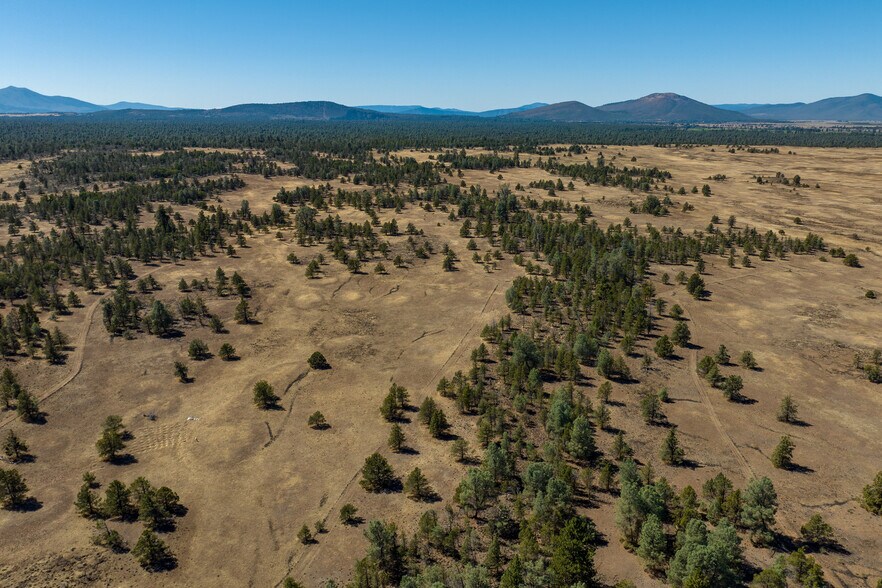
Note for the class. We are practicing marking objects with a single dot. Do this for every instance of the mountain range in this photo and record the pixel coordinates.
(654, 108)
(14, 100)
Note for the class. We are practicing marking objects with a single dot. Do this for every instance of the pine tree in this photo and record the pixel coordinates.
(14, 448)
(88, 504)
(681, 334)
(652, 545)
(396, 438)
(460, 449)
(152, 552)
(782, 456)
(348, 514)
(243, 312)
(581, 444)
(572, 555)
(759, 509)
(377, 474)
(417, 485)
(788, 410)
(13, 489)
(264, 397)
(871, 498)
(118, 501)
(671, 453)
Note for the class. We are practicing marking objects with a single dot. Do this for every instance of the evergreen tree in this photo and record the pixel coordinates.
(396, 438)
(782, 456)
(652, 545)
(377, 474)
(671, 453)
(152, 552)
(13, 489)
(88, 504)
(663, 347)
(871, 498)
(681, 334)
(416, 485)
(788, 411)
(14, 448)
(264, 397)
(572, 555)
(758, 510)
(581, 444)
(118, 501)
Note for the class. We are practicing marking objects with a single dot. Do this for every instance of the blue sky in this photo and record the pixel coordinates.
(471, 55)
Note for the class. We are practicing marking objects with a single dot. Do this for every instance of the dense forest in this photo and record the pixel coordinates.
(28, 137)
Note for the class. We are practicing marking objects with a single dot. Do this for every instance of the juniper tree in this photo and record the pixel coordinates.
(198, 350)
(732, 387)
(722, 355)
(317, 361)
(782, 456)
(304, 535)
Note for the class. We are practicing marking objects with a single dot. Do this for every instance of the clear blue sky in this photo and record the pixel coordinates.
(470, 55)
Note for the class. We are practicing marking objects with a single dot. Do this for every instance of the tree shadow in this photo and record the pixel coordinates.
(406, 450)
(29, 504)
(123, 459)
(800, 469)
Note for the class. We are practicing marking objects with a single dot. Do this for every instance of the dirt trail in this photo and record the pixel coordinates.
(747, 470)
(76, 356)
(298, 563)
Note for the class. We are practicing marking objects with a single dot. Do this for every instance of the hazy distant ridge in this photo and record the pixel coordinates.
(653, 108)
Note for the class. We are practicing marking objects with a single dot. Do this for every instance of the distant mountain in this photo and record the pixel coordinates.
(670, 108)
(15, 100)
(417, 110)
(137, 106)
(743, 107)
(864, 107)
(316, 110)
(571, 111)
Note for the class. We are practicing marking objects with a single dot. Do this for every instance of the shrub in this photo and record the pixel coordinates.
(317, 361)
